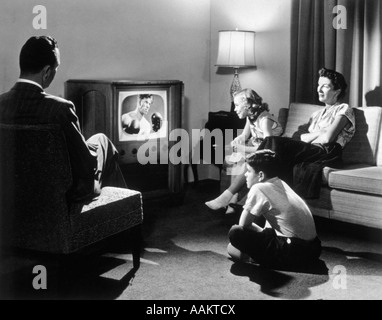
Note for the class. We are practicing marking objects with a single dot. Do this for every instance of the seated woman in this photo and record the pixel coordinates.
(320, 143)
(260, 124)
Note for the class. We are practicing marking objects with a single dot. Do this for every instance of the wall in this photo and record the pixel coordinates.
(156, 39)
(134, 39)
(270, 19)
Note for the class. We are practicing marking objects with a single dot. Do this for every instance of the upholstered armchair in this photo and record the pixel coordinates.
(35, 176)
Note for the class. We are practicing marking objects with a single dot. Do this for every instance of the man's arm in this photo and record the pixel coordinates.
(82, 161)
(130, 124)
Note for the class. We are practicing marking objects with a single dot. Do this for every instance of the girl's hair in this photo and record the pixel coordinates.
(337, 79)
(254, 102)
(266, 161)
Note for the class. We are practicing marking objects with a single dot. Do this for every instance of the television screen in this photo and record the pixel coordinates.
(142, 114)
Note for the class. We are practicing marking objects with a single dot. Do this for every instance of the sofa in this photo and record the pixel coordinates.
(35, 214)
(352, 193)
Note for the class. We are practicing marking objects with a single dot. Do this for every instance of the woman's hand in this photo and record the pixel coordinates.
(241, 148)
(239, 140)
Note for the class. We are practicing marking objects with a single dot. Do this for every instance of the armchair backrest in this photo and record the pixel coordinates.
(35, 176)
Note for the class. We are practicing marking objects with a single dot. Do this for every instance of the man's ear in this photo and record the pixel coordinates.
(46, 72)
(47, 75)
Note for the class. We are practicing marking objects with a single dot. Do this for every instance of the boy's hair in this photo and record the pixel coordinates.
(266, 161)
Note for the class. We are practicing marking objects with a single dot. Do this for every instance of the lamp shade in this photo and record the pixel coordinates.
(236, 49)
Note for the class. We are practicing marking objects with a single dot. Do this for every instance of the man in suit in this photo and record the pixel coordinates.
(93, 162)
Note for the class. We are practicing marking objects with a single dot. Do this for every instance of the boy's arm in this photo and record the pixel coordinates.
(246, 221)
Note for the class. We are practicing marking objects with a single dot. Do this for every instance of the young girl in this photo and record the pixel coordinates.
(289, 237)
(260, 124)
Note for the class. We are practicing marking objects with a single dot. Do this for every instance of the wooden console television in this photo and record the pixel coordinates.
(100, 105)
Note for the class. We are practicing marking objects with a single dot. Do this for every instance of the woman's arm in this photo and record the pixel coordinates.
(247, 131)
(266, 126)
(328, 134)
(240, 139)
(309, 137)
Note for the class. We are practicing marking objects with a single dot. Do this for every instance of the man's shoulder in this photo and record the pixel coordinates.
(5, 95)
(57, 99)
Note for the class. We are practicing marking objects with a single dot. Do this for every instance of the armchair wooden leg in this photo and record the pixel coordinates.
(136, 233)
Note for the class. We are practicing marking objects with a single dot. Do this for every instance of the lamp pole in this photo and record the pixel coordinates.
(235, 86)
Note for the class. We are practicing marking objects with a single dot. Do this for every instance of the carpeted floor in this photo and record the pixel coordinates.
(185, 258)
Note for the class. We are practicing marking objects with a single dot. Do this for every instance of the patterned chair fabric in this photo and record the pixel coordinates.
(35, 176)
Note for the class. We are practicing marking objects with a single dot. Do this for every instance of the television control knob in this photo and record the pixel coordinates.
(122, 152)
(134, 151)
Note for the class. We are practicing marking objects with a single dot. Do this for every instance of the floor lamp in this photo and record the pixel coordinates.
(236, 50)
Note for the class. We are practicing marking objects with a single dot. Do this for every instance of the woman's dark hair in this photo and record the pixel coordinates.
(38, 52)
(337, 79)
(266, 161)
(255, 103)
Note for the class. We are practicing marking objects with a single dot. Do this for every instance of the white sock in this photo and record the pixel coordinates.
(234, 198)
(220, 202)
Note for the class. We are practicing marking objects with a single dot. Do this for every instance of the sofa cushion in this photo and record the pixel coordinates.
(358, 178)
(299, 114)
(363, 146)
(325, 174)
(357, 208)
(379, 152)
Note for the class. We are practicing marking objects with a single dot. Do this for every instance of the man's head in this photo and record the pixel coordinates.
(39, 59)
(261, 166)
(144, 103)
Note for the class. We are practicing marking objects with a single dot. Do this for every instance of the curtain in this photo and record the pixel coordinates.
(344, 35)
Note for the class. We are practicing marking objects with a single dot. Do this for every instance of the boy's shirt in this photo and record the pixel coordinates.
(285, 211)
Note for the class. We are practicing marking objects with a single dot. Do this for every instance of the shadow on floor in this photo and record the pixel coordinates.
(65, 278)
(290, 284)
